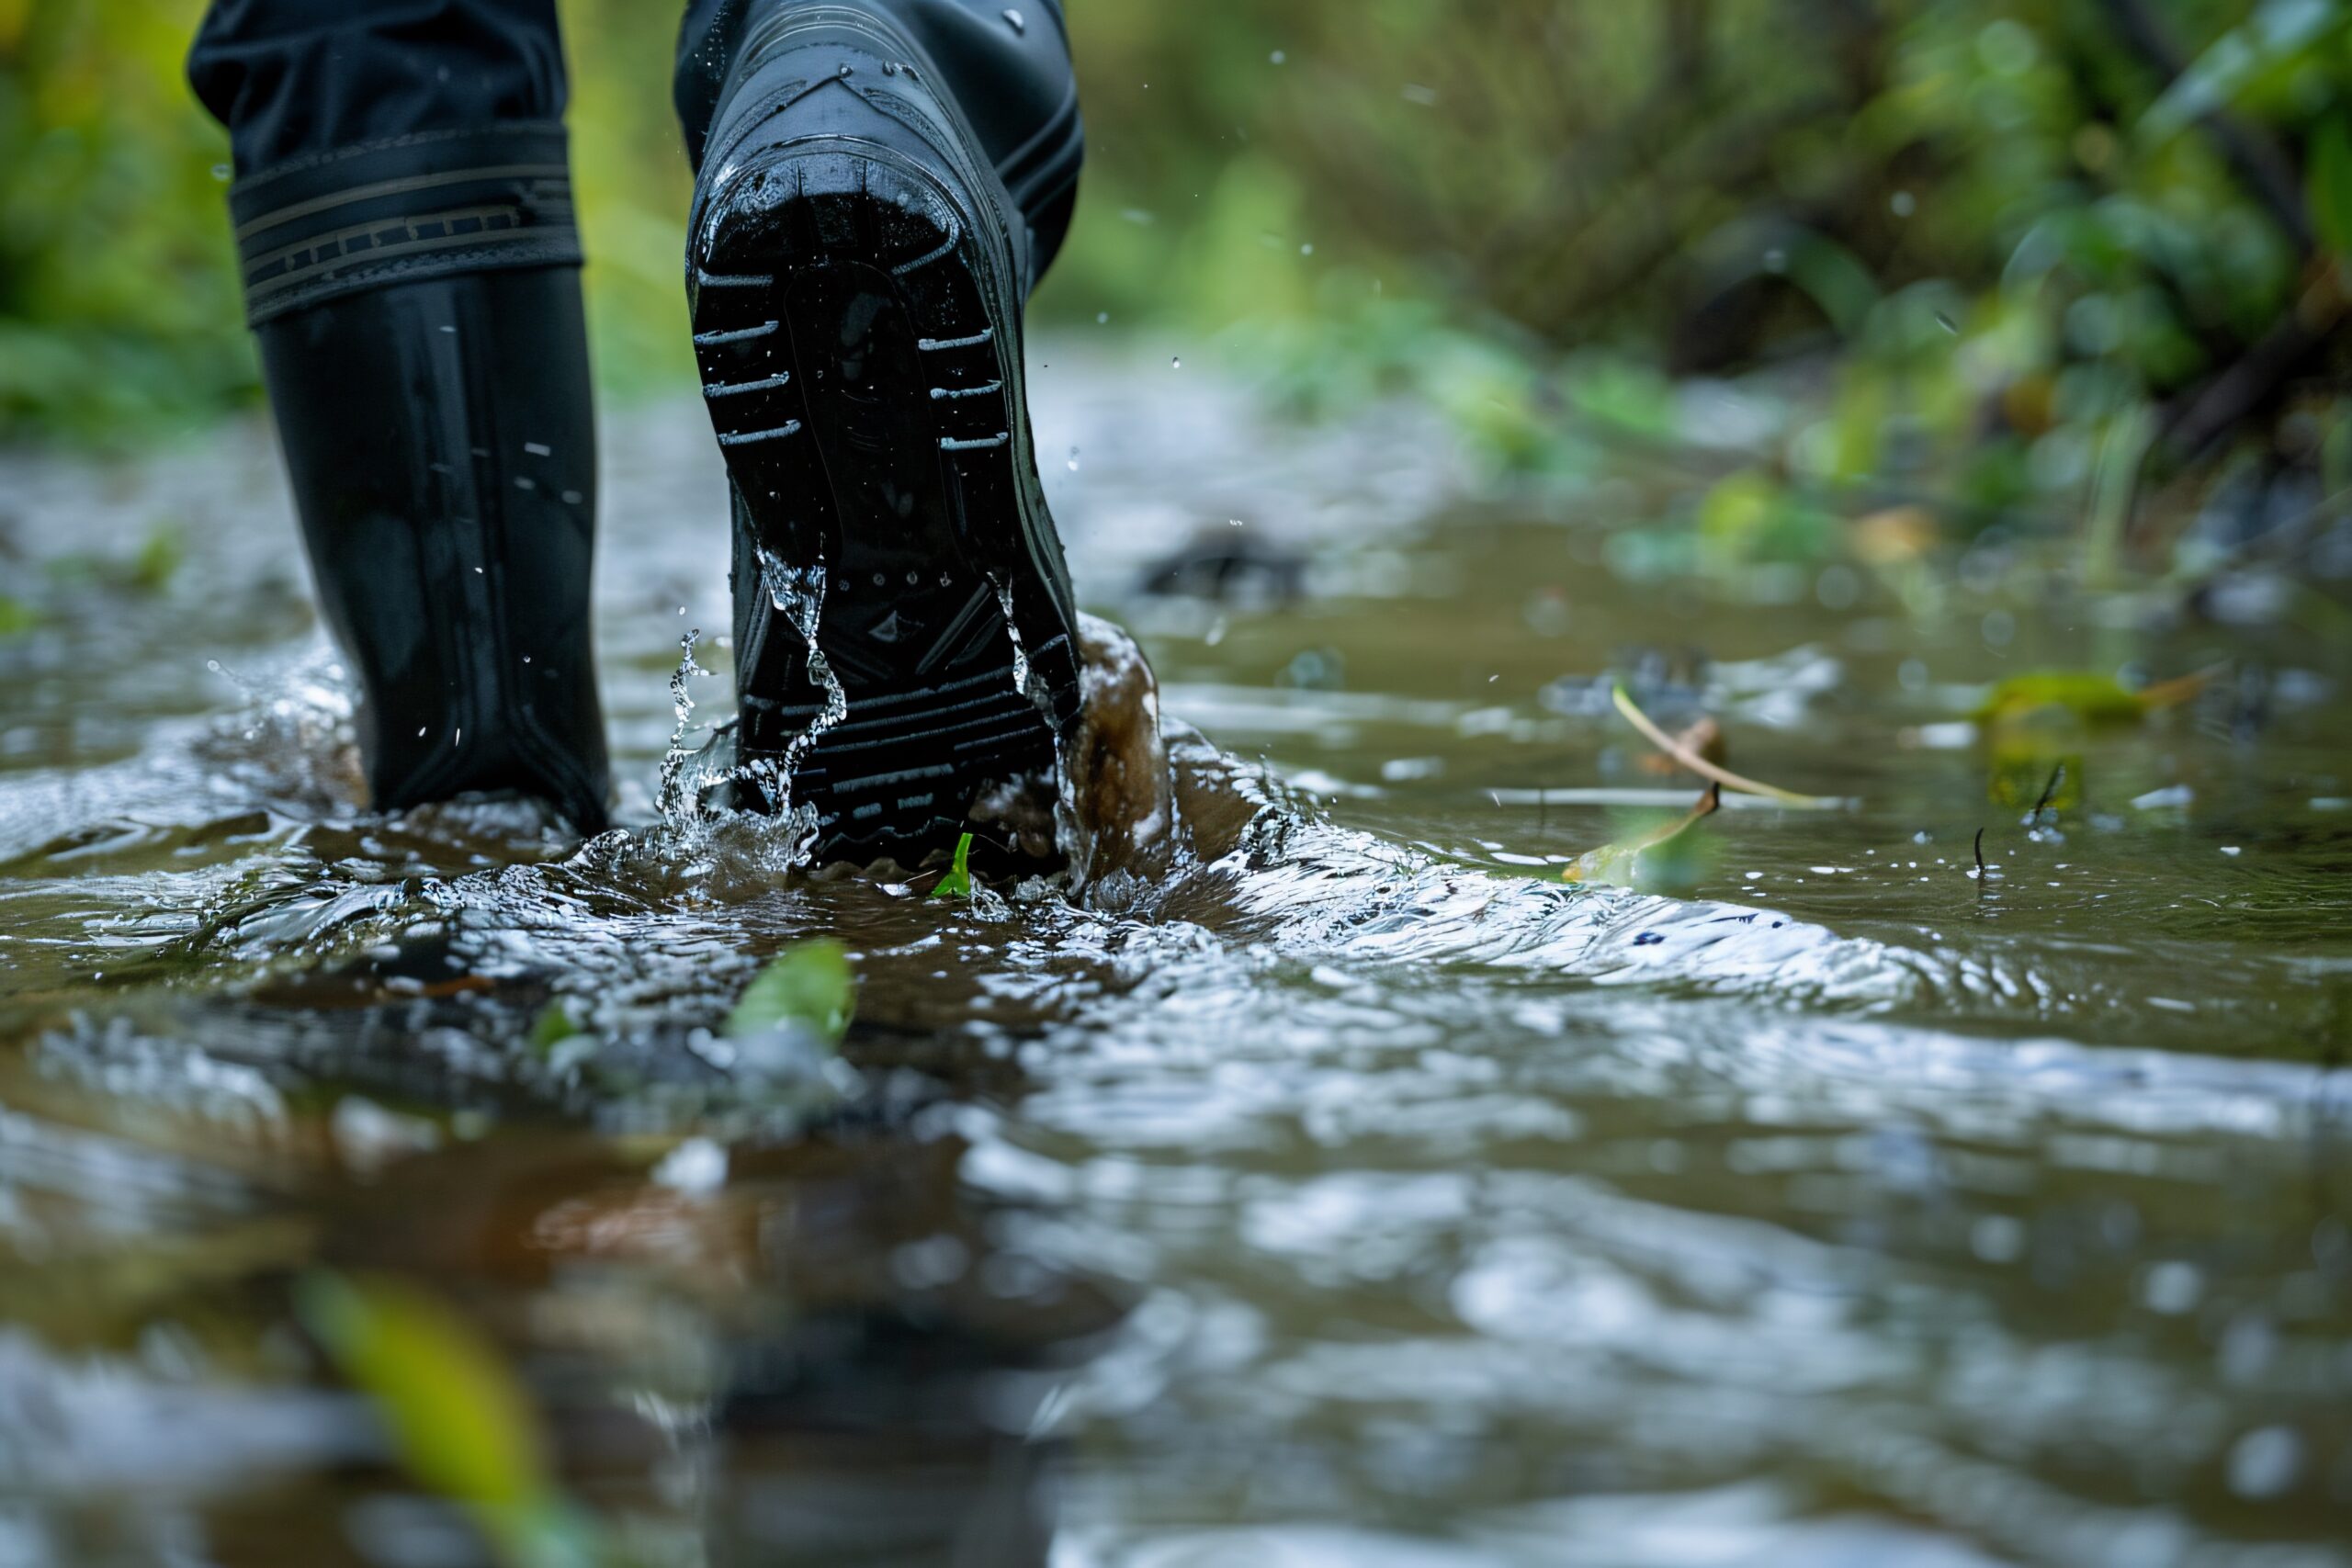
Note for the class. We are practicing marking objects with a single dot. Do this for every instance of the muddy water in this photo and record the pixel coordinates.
(1362, 1195)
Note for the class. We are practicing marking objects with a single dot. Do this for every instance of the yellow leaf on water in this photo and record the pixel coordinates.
(1619, 863)
(461, 1423)
(2082, 693)
(2086, 695)
(1895, 534)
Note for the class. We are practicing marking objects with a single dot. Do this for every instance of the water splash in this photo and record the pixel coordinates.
(679, 800)
(1022, 682)
(691, 803)
(798, 594)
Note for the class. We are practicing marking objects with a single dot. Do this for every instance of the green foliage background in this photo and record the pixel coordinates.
(2024, 244)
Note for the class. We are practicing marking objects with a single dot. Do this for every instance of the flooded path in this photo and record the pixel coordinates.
(1365, 1195)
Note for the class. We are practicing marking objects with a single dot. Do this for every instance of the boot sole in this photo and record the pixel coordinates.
(913, 642)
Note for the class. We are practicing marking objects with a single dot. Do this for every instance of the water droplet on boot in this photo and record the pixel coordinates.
(1175, 361)
(1073, 459)
(1015, 19)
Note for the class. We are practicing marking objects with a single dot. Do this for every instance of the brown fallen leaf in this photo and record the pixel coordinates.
(1705, 739)
(1895, 534)
(1703, 768)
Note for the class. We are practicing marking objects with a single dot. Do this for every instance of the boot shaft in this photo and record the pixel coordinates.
(440, 444)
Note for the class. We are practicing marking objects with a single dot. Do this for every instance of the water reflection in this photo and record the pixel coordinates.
(829, 1348)
(1360, 1194)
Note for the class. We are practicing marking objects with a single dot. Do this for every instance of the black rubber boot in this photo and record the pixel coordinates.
(856, 266)
(440, 442)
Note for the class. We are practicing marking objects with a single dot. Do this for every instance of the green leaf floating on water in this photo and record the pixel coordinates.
(808, 985)
(461, 1423)
(2084, 695)
(1619, 863)
(958, 883)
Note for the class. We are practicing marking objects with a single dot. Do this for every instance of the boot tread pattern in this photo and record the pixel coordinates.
(862, 401)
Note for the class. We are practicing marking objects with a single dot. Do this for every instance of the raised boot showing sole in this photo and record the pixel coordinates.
(903, 616)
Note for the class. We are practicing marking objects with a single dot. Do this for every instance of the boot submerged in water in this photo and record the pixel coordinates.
(403, 222)
(438, 438)
(856, 268)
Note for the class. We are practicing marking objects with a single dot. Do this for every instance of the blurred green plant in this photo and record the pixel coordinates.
(121, 316)
(36, 590)
(117, 307)
(2064, 265)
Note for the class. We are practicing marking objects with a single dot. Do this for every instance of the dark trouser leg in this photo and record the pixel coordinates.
(403, 217)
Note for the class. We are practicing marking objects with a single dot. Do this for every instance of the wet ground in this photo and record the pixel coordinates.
(1366, 1195)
